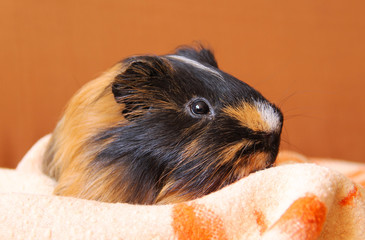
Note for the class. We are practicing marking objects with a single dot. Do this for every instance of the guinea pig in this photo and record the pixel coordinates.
(161, 129)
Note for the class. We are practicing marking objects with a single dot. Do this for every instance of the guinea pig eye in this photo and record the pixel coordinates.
(199, 107)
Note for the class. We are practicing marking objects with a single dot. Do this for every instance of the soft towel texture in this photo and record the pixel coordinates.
(294, 200)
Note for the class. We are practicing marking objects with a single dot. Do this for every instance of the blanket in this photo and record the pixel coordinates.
(298, 199)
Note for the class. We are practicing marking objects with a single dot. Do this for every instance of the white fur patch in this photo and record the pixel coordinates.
(197, 65)
(269, 115)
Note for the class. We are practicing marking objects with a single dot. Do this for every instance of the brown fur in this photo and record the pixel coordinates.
(99, 108)
(91, 109)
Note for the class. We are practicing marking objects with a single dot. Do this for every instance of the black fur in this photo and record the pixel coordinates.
(155, 91)
(200, 54)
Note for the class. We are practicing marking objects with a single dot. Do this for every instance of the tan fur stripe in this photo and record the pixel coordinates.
(248, 116)
(255, 162)
(82, 120)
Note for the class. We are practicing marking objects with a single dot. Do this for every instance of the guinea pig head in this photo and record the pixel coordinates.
(186, 129)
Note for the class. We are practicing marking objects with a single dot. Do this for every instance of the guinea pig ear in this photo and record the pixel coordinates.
(199, 53)
(139, 84)
(140, 73)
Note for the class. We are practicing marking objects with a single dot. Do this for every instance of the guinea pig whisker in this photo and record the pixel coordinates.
(254, 147)
(244, 151)
(245, 148)
(293, 116)
(285, 99)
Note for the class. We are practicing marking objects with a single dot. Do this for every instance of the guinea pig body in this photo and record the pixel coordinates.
(162, 129)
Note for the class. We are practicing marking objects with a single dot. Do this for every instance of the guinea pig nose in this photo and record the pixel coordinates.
(271, 140)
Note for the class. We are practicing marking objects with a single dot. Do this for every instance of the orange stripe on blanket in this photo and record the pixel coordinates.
(349, 199)
(303, 220)
(260, 220)
(362, 183)
(356, 173)
(194, 221)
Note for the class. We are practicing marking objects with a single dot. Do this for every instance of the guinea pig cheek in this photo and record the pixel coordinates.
(252, 163)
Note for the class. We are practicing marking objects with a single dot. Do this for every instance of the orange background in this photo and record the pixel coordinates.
(306, 56)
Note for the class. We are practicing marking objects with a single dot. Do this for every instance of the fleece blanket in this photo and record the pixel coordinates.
(299, 199)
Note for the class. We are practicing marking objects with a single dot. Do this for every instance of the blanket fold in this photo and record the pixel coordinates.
(297, 199)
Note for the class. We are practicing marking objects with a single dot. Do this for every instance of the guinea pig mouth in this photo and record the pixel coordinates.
(253, 162)
(258, 155)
